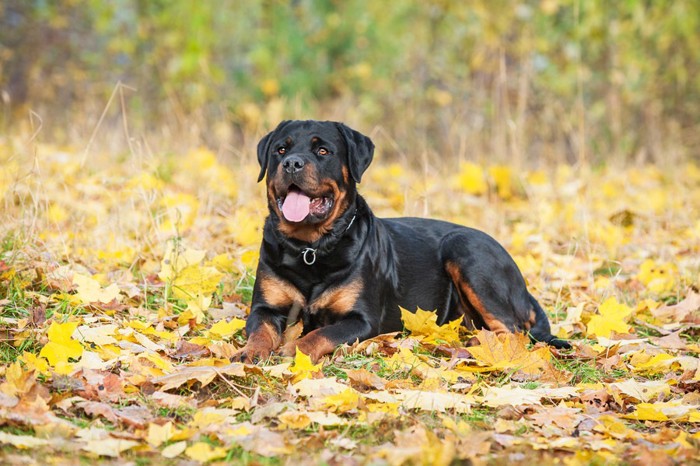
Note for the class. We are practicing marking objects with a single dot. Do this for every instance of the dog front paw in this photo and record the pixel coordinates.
(252, 353)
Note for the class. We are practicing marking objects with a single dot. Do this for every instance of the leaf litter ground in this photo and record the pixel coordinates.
(126, 284)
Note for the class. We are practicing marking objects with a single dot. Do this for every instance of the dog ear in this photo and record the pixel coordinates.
(264, 149)
(360, 150)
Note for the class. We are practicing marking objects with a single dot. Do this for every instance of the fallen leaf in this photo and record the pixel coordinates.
(61, 347)
(225, 330)
(423, 325)
(174, 450)
(203, 375)
(681, 311)
(90, 291)
(294, 420)
(203, 452)
(364, 379)
(658, 278)
(509, 351)
(112, 447)
(434, 401)
(560, 415)
(643, 391)
(303, 368)
(612, 316)
(159, 434)
(342, 402)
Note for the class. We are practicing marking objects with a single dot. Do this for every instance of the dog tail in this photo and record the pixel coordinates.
(541, 331)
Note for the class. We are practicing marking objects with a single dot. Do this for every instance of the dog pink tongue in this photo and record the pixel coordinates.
(296, 206)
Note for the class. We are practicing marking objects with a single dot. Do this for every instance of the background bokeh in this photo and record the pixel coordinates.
(512, 81)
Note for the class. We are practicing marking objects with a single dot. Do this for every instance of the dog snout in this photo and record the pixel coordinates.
(293, 164)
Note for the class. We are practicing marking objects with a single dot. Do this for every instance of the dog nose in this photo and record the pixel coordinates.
(293, 164)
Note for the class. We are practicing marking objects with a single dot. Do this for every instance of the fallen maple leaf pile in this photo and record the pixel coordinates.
(125, 286)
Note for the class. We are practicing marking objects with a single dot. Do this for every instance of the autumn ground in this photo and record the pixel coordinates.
(125, 283)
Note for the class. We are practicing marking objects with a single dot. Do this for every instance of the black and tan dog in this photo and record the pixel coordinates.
(325, 258)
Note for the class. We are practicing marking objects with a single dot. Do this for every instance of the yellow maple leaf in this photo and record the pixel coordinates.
(158, 434)
(223, 263)
(303, 368)
(342, 402)
(18, 381)
(611, 316)
(246, 227)
(202, 419)
(177, 258)
(195, 281)
(502, 175)
(89, 290)
(34, 362)
(509, 351)
(250, 258)
(223, 329)
(189, 280)
(294, 420)
(471, 178)
(180, 209)
(646, 412)
(656, 364)
(404, 359)
(423, 325)
(203, 452)
(197, 306)
(658, 278)
(61, 346)
(612, 426)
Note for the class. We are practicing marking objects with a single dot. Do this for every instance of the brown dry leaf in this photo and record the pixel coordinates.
(223, 350)
(97, 408)
(259, 440)
(187, 350)
(596, 401)
(385, 343)
(364, 379)
(169, 400)
(671, 341)
(561, 415)
(292, 332)
(134, 416)
(687, 310)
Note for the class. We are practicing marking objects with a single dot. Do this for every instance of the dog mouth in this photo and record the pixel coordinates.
(296, 205)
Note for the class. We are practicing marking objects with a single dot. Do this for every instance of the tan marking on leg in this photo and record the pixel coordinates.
(467, 315)
(261, 342)
(279, 293)
(492, 323)
(314, 345)
(339, 299)
(531, 322)
(473, 341)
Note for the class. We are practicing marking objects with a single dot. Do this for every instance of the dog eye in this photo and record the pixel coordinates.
(282, 150)
(322, 151)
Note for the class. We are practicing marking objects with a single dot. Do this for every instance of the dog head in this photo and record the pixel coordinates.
(312, 168)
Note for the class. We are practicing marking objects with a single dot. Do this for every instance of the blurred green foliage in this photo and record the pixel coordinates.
(553, 79)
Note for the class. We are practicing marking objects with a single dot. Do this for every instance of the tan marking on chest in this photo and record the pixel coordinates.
(279, 293)
(340, 299)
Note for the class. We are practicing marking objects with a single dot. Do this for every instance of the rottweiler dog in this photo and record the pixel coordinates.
(327, 260)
